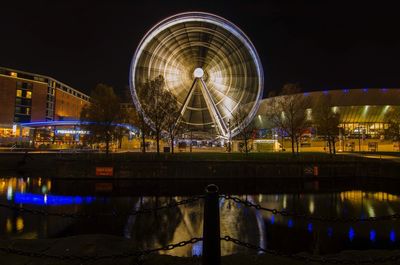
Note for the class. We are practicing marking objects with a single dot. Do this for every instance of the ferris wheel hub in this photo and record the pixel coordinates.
(198, 72)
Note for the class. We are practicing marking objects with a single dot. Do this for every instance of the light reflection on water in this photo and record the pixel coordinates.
(178, 224)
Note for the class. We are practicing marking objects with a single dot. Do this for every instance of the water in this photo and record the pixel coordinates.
(174, 225)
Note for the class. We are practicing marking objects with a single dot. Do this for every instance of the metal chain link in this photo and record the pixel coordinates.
(311, 217)
(317, 259)
(114, 214)
(134, 254)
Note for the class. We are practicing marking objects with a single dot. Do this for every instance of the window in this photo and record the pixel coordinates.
(19, 93)
(28, 111)
(28, 94)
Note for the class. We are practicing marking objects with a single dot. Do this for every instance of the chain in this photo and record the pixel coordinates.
(135, 254)
(311, 217)
(114, 214)
(378, 260)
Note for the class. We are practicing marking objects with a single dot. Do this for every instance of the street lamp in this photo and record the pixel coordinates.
(229, 136)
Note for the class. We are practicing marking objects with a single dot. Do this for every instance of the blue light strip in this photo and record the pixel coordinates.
(76, 122)
(46, 199)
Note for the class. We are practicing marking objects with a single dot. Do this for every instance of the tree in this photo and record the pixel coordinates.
(392, 117)
(137, 118)
(326, 121)
(151, 98)
(161, 108)
(288, 114)
(172, 123)
(102, 116)
(245, 130)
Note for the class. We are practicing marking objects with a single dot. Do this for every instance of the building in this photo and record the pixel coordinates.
(362, 117)
(29, 98)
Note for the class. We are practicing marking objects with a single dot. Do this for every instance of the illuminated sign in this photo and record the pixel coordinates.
(104, 171)
(72, 132)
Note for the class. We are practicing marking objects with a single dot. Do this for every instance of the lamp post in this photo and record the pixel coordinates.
(229, 136)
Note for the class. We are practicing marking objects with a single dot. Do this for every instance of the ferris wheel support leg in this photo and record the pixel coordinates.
(186, 102)
(215, 114)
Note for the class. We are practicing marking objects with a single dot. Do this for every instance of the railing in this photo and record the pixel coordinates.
(211, 233)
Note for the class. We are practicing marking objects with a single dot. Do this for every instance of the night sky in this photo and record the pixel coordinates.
(319, 44)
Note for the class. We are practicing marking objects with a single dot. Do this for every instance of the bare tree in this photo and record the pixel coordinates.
(246, 131)
(172, 122)
(137, 118)
(288, 114)
(151, 95)
(102, 116)
(326, 121)
(392, 117)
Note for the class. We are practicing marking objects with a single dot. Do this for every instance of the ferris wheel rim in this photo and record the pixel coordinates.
(197, 16)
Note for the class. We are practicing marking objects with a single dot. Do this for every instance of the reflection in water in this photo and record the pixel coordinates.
(184, 222)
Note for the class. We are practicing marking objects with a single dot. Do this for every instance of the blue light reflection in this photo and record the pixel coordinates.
(392, 235)
(272, 220)
(330, 231)
(46, 199)
(351, 233)
(372, 235)
(309, 227)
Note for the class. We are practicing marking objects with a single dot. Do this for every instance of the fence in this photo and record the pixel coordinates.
(211, 233)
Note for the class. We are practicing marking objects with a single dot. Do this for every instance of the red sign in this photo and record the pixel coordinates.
(104, 186)
(104, 171)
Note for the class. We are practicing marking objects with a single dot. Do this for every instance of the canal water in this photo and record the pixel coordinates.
(152, 230)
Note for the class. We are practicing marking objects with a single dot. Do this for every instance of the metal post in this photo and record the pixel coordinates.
(211, 230)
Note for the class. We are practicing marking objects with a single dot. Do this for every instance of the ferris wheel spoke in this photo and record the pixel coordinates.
(212, 108)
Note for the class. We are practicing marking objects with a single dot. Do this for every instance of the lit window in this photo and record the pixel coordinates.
(28, 94)
(19, 93)
(28, 111)
(14, 74)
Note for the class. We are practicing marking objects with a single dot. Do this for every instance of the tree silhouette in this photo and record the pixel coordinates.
(102, 116)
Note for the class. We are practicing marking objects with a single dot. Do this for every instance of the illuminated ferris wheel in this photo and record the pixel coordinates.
(208, 63)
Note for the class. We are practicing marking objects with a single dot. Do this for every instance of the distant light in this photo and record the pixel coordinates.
(309, 227)
(14, 74)
(387, 107)
(330, 231)
(197, 249)
(306, 94)
(365, 90)
(392, 235)
(325, 92)
(272, 220)
(346, 91)
(19, 224)
(9, 193)
(372, 235)
(311, 206)
(351, 233)
(334, 109)
(384, 90)
(290, 223)
(198, 72)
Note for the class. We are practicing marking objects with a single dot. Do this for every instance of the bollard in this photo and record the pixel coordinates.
(211, 231)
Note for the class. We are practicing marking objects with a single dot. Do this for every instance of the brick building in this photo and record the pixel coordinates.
(27, 97)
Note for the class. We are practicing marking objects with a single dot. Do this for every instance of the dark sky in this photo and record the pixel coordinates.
(319, 44)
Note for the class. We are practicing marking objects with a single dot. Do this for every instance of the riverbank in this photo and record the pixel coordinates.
(198, 165)
(86, 249)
